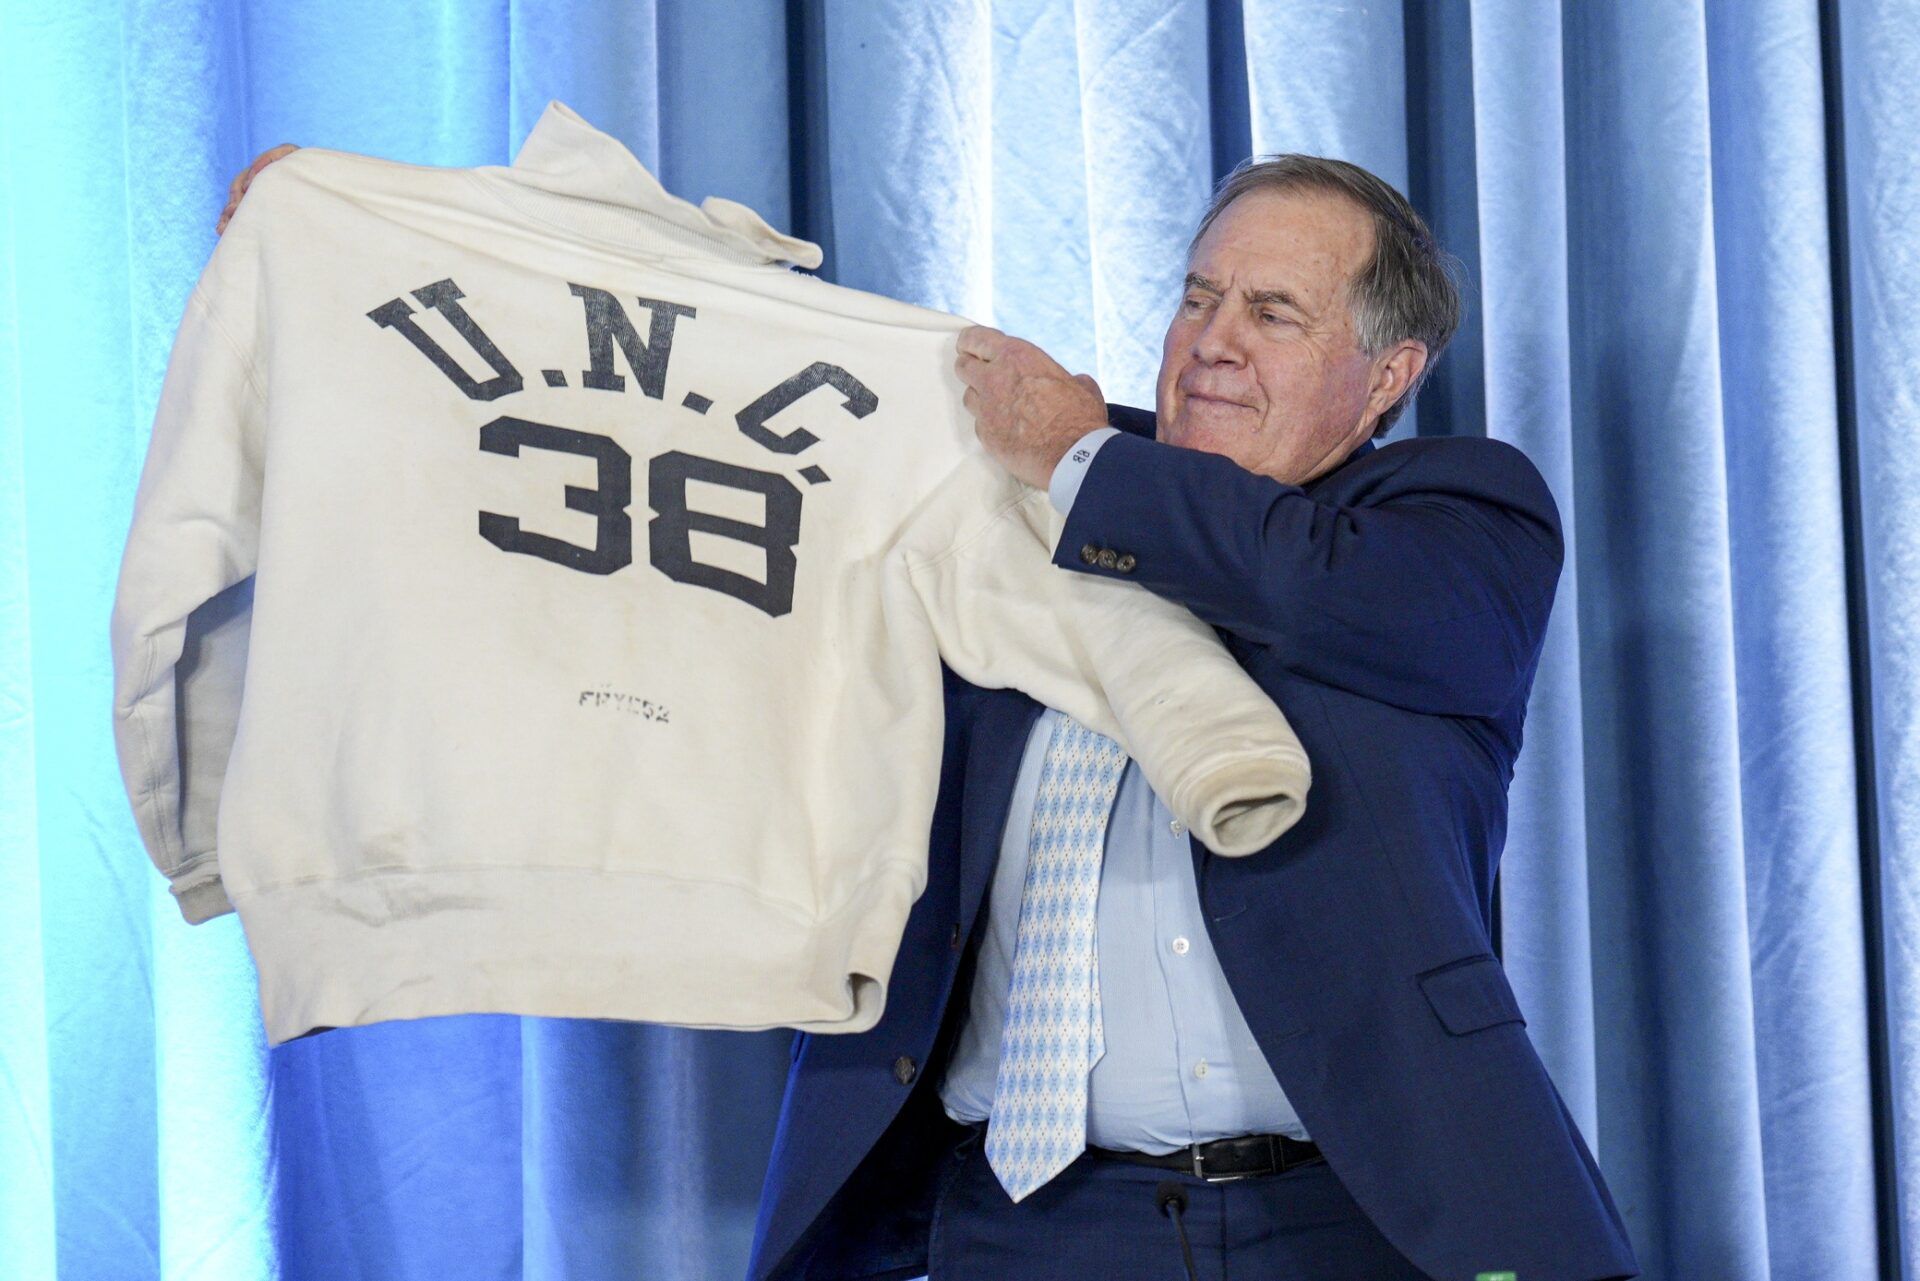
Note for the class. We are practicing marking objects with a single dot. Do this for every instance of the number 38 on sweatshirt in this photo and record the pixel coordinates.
(535, 598)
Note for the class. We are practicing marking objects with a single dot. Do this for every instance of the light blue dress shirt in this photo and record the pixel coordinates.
(1181, 1066)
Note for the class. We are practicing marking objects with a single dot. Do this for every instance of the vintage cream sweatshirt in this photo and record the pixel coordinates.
(535, 598)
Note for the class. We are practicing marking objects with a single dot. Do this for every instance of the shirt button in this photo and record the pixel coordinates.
(1177, 828)
(1200, 1068)
(903, 1069)
(1180, 947)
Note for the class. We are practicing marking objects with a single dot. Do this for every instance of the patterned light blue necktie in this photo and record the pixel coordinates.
(1053, 1034)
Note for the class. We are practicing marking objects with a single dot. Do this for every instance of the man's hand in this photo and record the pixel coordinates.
(238, 187)
(1027, 410)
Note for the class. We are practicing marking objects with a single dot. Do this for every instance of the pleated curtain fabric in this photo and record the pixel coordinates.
(1689, 237)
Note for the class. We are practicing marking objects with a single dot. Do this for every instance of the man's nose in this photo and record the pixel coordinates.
(1219, 340)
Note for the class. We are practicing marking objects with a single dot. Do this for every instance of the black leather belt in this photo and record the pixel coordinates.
(1225, 1159)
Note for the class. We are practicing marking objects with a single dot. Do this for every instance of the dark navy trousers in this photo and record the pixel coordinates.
(1098, 1220)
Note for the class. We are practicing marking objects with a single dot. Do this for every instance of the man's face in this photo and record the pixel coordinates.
(1261, 362)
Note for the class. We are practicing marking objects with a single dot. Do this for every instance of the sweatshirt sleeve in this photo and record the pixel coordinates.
(181, 609)
(1123, 662)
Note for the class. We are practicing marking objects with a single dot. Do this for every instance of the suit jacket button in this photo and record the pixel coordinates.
(1125, 562)
(1106, 558)
(953, 940)
(903, 1070)
(1089, 553)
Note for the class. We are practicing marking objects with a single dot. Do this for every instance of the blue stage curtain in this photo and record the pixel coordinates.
(1689, 237)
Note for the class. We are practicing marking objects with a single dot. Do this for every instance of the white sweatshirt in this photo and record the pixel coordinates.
(535, 596)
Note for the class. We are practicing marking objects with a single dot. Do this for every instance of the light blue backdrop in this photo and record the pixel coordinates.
(1691, 233)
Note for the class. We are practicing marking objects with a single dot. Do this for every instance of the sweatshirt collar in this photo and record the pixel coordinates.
(619, 200)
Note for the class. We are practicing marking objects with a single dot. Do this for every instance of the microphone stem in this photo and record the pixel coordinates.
(1173, 1204)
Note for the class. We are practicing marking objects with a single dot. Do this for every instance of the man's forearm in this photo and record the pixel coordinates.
(1426, 587)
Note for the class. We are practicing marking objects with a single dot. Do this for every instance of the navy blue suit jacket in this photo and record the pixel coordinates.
(1394, 609)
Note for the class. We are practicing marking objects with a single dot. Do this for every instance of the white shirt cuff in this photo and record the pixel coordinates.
(1072, 468)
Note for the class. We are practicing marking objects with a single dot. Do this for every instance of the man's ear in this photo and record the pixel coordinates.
(1393, 372)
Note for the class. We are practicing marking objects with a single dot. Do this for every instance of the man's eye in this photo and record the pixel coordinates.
(1271, 317)
(1192, 303)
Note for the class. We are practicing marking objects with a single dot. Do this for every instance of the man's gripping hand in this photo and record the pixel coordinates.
(1027, 410)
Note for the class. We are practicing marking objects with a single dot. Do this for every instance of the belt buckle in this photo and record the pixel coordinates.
(1200, 1172)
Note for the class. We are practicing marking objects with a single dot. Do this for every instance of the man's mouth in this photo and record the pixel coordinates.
(1222, 402)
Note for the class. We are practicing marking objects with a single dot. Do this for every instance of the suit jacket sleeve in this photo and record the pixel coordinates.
(1419, 575)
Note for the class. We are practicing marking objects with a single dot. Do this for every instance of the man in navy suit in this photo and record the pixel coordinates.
(1313, 1065)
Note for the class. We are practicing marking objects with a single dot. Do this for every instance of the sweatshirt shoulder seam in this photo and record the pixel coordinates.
(986, 526)
(233, 344)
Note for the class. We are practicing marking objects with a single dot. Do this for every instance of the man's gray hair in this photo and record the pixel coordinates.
(1405, 289)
